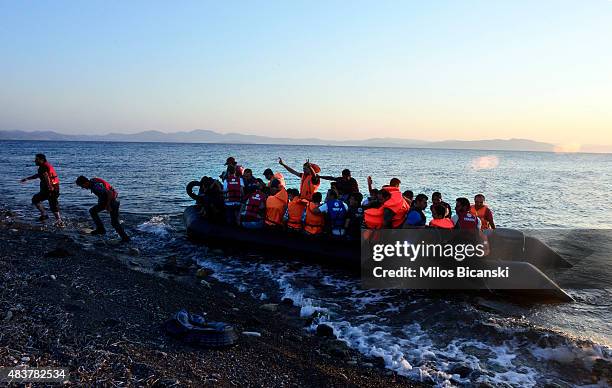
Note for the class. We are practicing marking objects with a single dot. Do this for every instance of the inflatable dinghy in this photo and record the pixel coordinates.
(509, 248)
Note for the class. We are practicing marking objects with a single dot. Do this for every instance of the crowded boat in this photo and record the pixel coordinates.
(240, 199)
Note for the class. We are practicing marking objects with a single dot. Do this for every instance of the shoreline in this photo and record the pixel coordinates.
(92, 310)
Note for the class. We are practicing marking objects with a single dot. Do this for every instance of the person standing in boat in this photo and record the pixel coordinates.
(396, 207)
(309, 178)
(276, 205)
(233, 188)
(345, 184)
(238, 169)
(270, 176)
(482, 211)
(49, 189)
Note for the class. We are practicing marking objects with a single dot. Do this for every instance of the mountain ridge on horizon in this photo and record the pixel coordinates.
(210, 136)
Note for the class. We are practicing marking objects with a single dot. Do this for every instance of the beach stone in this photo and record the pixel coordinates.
(460, 369)
(368, 365)
(25, 359)
(251, 334)
(351, 362)
(14, 230)
(271, 307)
(204, 272)
(324, 330)
(230, 294)
(134, 251)
(53, 277)
(8, 316)
(287, 302)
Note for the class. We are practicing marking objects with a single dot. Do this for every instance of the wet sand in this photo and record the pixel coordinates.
(95, 311)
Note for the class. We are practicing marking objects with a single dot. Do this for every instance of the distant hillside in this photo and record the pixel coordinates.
(208, 136)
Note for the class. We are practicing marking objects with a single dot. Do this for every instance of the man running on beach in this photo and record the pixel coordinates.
(107, 200)
(49, 189)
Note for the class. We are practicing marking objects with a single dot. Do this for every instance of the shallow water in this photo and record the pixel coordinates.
(440, 337)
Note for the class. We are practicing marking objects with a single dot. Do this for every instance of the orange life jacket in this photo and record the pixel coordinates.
(280, 177)
(307, 188)
(443, 223)
(295, 209)
(313, 223)
(481, 213)
(374, 217)
(398, 205)
(275, 208)
(52, 174)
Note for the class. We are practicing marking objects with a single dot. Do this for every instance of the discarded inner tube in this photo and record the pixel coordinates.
(195, 330)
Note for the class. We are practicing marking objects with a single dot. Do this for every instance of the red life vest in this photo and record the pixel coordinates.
(374, 217)
(295, 209)
(107, 187)
(466, 221)
(442, 223)
(252, 206)
(52, 174)
(398, 205)
(313, 223)
(233, 193)
(481, 213)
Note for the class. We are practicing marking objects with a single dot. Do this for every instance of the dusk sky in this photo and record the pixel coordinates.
(336, 69)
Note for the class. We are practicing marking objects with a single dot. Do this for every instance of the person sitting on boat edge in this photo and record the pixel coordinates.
(408, 197)
(233, 188)
(250, 182)
(416, 218)
(483, 212)
(438, 212)
(309, 178)
(314, 223)
(463, 219)
(373, 217)
(269, 175)
(295, 210)
(436, 198)
(345, 184)
(336, 211)
(395, 208)
(354, 216)
(253, 209)
(238, 169)
(276, 203)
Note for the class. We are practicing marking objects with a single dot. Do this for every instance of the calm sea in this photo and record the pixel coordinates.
(457, 341)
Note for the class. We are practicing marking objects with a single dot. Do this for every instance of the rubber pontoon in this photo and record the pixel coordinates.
(524, 255)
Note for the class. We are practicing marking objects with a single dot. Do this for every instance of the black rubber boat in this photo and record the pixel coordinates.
(509, 248)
